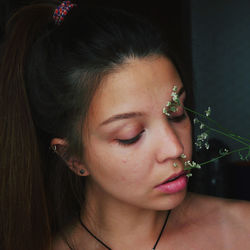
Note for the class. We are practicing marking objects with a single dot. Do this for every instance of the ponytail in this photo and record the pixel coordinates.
(24, 219)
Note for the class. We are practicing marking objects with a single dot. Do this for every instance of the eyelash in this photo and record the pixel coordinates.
(137, 137)
(131, 140)
(177, 118)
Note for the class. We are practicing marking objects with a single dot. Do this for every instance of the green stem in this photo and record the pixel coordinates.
(231, 152)
(208, 118)
(242, 138)
(227, 133)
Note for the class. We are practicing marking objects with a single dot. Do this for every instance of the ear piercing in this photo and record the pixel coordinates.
(82, 171)
(54, 147)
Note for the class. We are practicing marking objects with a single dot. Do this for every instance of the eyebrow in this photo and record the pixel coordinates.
(131, 114)
(122, 116)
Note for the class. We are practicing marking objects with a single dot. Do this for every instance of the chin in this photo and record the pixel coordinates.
(171, 201)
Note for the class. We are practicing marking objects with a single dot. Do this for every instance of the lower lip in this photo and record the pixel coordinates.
(174, 186)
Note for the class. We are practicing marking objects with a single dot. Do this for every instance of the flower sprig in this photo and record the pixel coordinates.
(202, 139)
(172, 106)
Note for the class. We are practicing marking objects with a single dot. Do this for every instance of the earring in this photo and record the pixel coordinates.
(54, 148)
(82, 171)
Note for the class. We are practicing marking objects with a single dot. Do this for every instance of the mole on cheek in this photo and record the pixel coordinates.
(124, 161)
(123, 178)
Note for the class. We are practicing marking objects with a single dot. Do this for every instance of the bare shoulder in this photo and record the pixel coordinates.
(216, 201)
(227, 216)
(228, 208)
(214, 223)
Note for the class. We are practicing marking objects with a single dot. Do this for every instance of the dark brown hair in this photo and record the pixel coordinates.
(48, 76)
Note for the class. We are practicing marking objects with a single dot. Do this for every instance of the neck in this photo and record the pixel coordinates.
(122, 224)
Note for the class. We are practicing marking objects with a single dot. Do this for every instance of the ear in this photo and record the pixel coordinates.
(59, 146)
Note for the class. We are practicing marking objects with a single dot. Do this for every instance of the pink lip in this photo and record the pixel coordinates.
(174, 183)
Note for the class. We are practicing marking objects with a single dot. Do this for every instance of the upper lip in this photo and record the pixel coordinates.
(173, 177)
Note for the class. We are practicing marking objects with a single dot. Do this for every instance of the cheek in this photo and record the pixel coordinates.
(107, 164)
(132, 167)
(119, 176)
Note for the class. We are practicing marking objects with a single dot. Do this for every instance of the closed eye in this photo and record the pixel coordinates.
(178, 118)
(131, 140)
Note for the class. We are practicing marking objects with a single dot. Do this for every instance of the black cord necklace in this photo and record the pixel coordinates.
(107, 247)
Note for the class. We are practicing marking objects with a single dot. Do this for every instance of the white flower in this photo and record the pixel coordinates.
(183, 156)
(173, 108)
(165, 111)
(223, 151)
(208, 111)
(168, 104)
(202, 125)
(203, 136)
(241, 156)
(175, 164)
(195, 120)
(198, 144)
(190, 165)
(175, 97)
(207, 145)
(174, 88)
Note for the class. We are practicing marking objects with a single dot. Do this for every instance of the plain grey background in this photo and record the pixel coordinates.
(220, 40)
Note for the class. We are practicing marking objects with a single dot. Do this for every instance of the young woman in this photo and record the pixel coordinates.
(88, 159)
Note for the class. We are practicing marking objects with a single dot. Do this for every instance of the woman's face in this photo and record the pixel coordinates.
(131, 145)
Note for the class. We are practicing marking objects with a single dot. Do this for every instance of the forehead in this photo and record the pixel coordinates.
(138, 85)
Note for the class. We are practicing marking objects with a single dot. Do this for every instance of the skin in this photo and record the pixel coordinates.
(121, 197)
(116, 170)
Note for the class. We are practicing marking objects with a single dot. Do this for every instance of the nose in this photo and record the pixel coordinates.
(169, 145)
